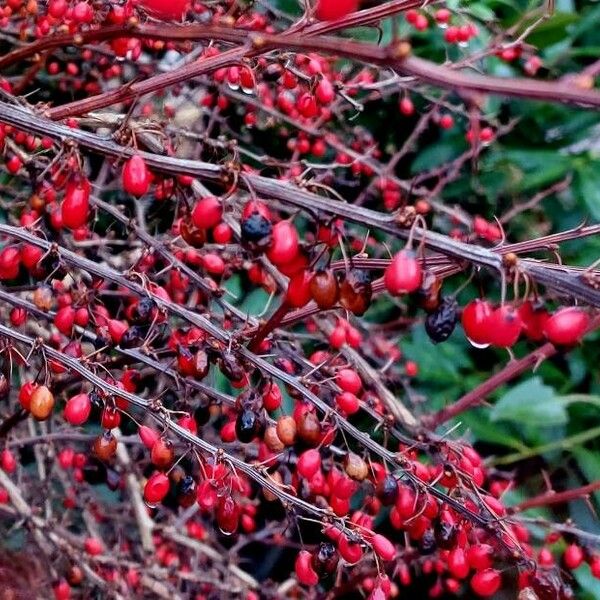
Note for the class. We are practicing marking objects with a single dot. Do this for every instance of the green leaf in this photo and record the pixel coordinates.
(588, 582)
(589, 463)
(484, 431)
(254, 303)
(529, 169)
(587, 186)
(481, 11)
(553, 30)
(530, 403)
(434, 156)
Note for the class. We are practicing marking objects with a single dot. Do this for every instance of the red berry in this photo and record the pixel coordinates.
(566, 326)
(350, 551)
(30, 256)
(403, 275)
(324, 91)
(309, 462)
(117, 329)
(595, 566)
(13, 164)
(298, 293)
(458, 565)
(77, 409)
(135, 176)
(406, 106)
(148, 436)
(446, 122)
(534, 320)
(156, 488)
(442, 15)
(93, 546)
(329, 10)
(18, 316)
(304, 571)
(10, 261)
(65, 319)
(504, 326)
(337, 338)
(475, 317)
(348, 402)
(271, 397)
(8, 461)
(75, 206)
(25, 393)
(207, 213)
(62, 590)
(349, 381)
(307, 105)
(573, 557)
(222, 233)
(167, 10)
(486, 583)
(111, 418)
(57, 8)
(383, 547)
(284, 245)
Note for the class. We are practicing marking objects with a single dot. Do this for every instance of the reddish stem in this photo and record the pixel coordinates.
(265, 329)
(552, 497)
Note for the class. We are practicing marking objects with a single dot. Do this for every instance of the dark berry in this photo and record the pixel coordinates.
(440, 324)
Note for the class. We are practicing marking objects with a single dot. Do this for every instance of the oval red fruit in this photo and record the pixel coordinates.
(404, 274)
(135, 176)
(207, 212)
(75, 206)
(77, 409)
(566, 326)
(156, 488)
(504, 326)
(475, 317)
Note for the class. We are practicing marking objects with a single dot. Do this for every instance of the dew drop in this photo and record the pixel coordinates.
(476, 345)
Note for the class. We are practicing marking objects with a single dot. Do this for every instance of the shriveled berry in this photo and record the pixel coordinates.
(256, 232)
(440, 324)
(246, 426)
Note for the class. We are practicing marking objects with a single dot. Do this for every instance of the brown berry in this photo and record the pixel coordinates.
(324, 289)
(356, 467)
(105, 446)
(163, 453)
(42, 403)
(272, 440)
(309, 428)
(286, 430)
